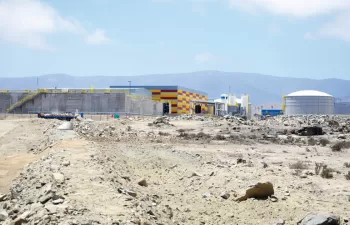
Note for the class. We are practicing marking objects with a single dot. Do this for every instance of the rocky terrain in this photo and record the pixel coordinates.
(178, 170)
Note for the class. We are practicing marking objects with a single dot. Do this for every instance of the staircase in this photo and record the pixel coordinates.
(23, 100)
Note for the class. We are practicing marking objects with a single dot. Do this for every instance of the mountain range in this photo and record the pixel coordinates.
(261, 88)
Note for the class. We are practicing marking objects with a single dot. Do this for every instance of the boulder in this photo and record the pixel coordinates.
(320, 219)
(142, 182)
(3, 215)
(258, 191)
(3, 197)
(280, 222)
(45, 198)
(58, 177)
(225, 195)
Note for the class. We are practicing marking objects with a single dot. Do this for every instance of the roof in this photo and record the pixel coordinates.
(205, 102)
(161, 87)
(309, 93)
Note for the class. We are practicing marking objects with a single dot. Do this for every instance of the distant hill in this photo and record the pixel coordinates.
(261, 88)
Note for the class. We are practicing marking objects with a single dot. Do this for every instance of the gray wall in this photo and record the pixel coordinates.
(88, 103)
(7, 99)
(143, 106)
(61, 102)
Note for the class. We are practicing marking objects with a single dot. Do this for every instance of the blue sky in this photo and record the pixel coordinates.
(115, 37)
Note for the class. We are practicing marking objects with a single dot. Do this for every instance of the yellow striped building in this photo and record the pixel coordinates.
(179, 98)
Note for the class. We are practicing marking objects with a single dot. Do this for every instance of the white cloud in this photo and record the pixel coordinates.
(297, 8)
(206, 57)
(28, 22)
(97, 38)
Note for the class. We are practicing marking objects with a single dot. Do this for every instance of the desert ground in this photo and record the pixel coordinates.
(173, 170)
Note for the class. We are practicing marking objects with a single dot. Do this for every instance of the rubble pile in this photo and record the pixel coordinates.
(193, 117)
(38, 196)
(235, 118)
(115, 131)
(161, 122)
(48, 137)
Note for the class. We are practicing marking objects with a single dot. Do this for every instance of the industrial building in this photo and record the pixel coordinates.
(176, 99)
(234, 105)
(308, 102)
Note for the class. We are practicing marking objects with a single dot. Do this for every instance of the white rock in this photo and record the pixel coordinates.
(3, 215)
(51, 208)
(58, 177)
(66, 163)
(2, 197)
(35, 207)
(58, 201)
(25, 215)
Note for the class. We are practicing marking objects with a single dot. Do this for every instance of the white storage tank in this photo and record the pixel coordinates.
(309, 102)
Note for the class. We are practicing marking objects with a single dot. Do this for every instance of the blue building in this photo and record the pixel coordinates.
(271, 112)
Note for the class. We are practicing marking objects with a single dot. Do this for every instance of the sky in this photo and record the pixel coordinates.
(289, 38)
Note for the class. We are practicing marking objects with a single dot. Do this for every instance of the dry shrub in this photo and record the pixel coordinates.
(161, 133)
(254, 136)
(311, 141)
(347, 165)
(297, 172)
(190, 136)
(203, 135)
(184, 135)
(298, 166)
(184, 130)
(219, 137)
(327, 172)
(324, 171)
(318, 167)
(324, 141)
(347, 176)
(234, 137)
(340, 145)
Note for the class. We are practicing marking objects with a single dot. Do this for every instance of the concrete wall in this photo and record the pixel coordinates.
(93, 103)
(143, 106)
(9, 98)
(70, 102)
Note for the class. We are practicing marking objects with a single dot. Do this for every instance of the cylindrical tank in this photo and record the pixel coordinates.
(232, 99)
(309, 102)
(245, 101)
